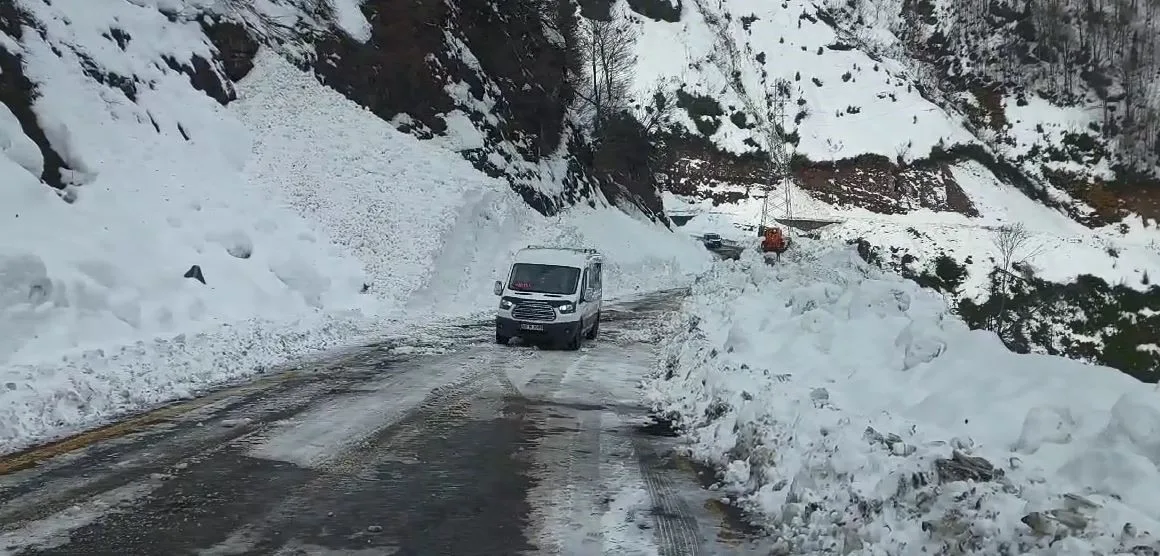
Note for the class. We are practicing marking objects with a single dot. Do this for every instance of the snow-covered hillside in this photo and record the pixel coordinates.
(859, 129)
(879, 142)
(193, 241)
(858, 83)
(843, 102)
(853, 414)
(1068, 90)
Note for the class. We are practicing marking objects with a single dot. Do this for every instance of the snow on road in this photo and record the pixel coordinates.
(833, 399)
(483, 450)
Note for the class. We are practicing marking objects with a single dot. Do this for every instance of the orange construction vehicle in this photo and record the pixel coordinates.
(774, 242)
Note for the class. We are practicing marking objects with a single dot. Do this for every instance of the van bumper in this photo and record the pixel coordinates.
(553, 331)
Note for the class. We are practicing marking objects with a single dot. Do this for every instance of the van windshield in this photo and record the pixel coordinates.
(544, 278)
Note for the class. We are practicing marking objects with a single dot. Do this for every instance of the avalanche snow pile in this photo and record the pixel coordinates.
(432, 231)
(312, 224)
(856, 415)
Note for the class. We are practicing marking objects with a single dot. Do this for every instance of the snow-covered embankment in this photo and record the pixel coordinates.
(847, 408)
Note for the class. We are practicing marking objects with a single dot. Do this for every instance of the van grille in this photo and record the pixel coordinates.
(534, 310)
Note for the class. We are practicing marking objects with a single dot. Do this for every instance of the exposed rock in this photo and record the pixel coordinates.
(695, 167)
(195, 273)
(235, 47)
(390, 74)
(204, 78)
(961, 467)
(18, 94)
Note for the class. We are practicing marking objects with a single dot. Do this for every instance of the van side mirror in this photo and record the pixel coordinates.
(498, 287)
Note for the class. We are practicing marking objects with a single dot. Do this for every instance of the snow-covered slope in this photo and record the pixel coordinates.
(858, 83)
(1080, 118)
(871, 126)
(909, 164)
(860, 131)
(312, 222)
(842, 101)
(852, 412)
(422, 223)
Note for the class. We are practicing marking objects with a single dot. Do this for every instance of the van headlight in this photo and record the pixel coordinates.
(505, 304)
(567, 308)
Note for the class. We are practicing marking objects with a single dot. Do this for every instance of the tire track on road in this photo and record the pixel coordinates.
(677, 531)
(41, 492)
(444, 479)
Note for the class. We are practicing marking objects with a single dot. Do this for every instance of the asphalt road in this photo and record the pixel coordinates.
(486, 450)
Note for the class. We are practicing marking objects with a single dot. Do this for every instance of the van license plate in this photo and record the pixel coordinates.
(535, 327)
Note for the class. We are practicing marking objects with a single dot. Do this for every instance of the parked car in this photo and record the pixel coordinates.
(712, 241)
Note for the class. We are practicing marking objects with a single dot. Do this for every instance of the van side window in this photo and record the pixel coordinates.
(596, 278)
(584, 281)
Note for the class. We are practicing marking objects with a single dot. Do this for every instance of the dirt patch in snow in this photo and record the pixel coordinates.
(692, 165)
(1111, 201)
(877, 184)
(695, 167)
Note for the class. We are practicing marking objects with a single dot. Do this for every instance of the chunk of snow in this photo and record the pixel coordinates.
(16, 146)
(236, 242)
(462, 134)
(349, 17)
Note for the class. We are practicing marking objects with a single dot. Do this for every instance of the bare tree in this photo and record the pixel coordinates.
(608, 48)
(1016, 248)
(902, 154)
(656, 112)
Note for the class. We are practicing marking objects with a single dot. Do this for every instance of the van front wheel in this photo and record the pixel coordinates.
(573, 343)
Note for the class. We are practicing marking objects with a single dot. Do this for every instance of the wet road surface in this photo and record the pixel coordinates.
(485, 450)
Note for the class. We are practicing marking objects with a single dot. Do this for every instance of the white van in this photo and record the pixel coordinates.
(552, 294)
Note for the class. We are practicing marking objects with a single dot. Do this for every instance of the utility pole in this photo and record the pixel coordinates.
(779, 170)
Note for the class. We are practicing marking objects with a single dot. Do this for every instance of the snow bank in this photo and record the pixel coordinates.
(146, 206)
(845, 405)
